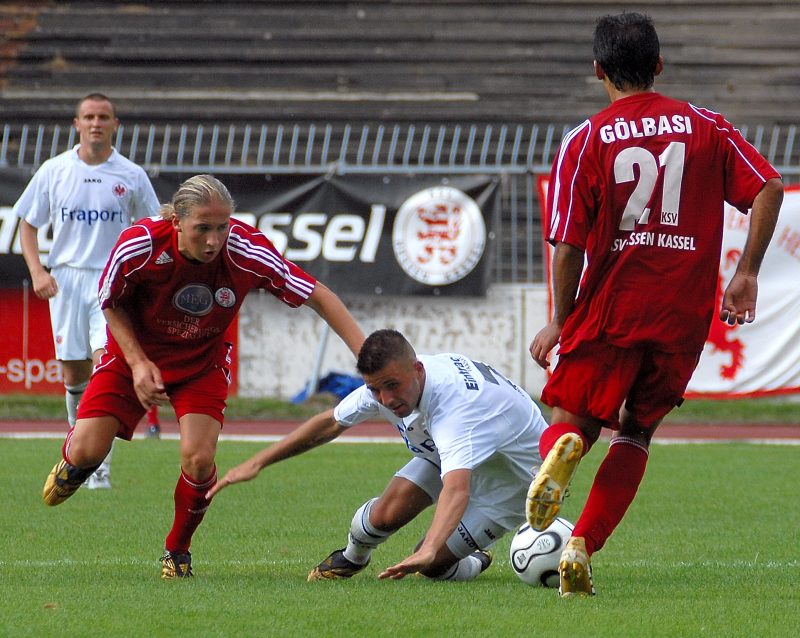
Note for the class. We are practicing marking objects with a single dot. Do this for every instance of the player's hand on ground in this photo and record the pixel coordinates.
(246, 471)
(44, 285)
(417, 562)
(739, 300)
(544, 341)
(148, 384)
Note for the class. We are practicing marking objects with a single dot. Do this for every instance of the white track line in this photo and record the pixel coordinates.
(395, 439)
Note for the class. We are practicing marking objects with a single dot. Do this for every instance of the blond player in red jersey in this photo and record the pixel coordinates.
(169, 291)
(636, 195)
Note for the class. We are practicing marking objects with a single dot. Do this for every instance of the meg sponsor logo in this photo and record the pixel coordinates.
(194, 299)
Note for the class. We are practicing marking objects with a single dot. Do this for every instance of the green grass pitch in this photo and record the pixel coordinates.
(709, 548)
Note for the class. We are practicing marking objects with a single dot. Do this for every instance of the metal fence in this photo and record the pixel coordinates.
(516, 153)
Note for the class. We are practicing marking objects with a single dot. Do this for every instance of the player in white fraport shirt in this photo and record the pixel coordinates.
(88, 195)
(473, 435)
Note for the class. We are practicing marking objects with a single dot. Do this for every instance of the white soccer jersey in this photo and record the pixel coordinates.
(469, 417)
(88, 206)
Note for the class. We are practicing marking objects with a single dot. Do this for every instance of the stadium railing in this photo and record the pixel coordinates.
(516, 153)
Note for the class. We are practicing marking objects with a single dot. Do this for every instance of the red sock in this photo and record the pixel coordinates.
(555, 432)
(152, 415)
(614, 488)
(65, 447)
(190, 507)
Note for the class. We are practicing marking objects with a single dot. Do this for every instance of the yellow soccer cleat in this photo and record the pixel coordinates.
(575, 570)
(63, 481)
(335, 567)
(176, 565)
(549, 486)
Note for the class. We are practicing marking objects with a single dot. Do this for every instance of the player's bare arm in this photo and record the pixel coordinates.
(328, 306)
(451, 506)
(567, 268)
(739, 301)
(316, 431)
(44, 285)
(147, 379)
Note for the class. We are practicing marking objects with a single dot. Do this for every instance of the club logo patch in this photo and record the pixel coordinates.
(225, 297)
(194, 299)
(439, 235)
(119, 190)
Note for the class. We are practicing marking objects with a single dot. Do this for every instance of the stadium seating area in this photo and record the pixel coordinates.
(380, 60)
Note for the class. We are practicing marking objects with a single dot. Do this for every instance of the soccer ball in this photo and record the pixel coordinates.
(535, 555)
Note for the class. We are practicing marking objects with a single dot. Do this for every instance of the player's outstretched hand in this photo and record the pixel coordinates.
(417, 562)
(246, 471)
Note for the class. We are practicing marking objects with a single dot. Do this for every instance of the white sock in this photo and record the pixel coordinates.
(105, 466)
(363, 537)
(73, 397)
(467, 568)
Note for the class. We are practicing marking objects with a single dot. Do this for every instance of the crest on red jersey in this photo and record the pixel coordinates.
(225, 297)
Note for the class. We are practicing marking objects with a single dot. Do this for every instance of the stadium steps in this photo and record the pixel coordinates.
(448, 61)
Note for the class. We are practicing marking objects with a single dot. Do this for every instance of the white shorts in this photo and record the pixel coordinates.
(79, 327)
(483, 522)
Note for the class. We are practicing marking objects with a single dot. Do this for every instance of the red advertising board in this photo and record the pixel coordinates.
(27, 356)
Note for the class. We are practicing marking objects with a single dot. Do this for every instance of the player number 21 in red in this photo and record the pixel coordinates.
(636, 210)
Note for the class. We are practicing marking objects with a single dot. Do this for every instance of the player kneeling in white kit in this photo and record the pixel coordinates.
(474, 436)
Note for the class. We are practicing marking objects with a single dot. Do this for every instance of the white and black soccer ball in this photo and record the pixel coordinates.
(535, 555)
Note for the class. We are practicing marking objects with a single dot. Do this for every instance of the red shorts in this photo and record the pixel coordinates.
(110, 392)
(596, 378)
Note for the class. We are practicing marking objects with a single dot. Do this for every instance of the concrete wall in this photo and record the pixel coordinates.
(278, 346)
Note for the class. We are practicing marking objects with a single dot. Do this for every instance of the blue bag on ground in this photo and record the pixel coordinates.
(336, 383)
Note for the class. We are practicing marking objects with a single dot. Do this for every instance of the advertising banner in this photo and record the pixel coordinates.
(376, 234)
(12, 266)
(760, 358)
(763, 357)
(370, 234)
(27, 354)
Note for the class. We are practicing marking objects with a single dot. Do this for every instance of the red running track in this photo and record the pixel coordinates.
(667, 431)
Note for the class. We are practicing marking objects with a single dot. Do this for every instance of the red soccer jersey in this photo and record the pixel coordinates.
(179, 308)
(641, 187)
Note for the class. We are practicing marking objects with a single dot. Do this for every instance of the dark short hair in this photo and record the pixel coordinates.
(626, 48)
(95, 97)
(381, 347)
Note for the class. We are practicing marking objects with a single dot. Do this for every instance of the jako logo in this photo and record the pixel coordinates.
(439, 235)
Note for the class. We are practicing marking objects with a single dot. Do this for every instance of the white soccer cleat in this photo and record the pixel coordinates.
(100, 480)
